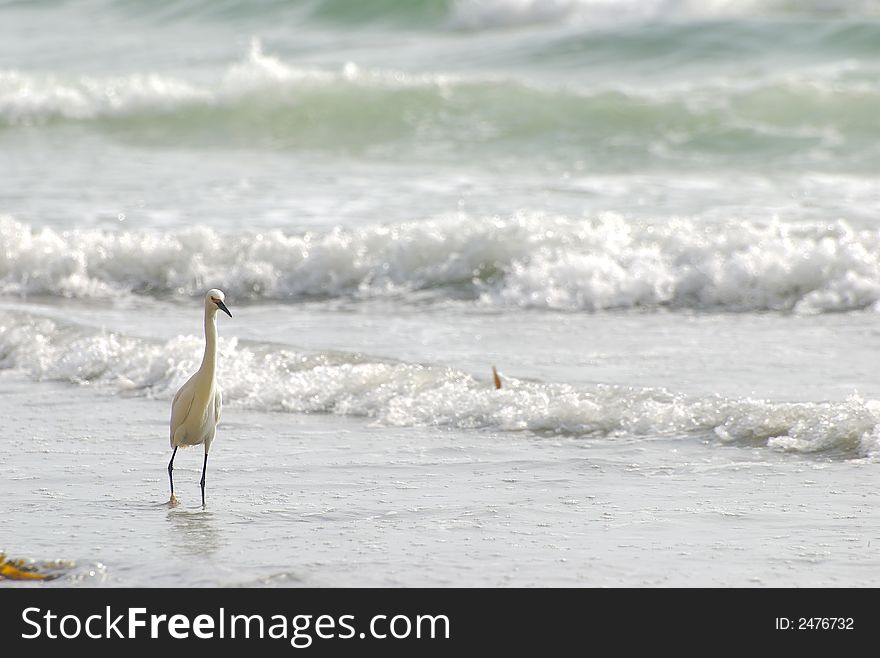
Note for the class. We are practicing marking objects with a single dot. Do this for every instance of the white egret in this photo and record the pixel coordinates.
(195, 411)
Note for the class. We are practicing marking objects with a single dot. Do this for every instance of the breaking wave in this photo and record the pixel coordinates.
(271, 378)
(526, 261)
(261, 102)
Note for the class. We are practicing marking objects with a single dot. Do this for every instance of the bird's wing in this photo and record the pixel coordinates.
(218, 405)
(180, 407)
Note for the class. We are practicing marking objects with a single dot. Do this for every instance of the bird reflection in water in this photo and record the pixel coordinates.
(195, 531)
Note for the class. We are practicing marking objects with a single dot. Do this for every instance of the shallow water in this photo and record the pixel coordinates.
(323, 501)
(658, 220)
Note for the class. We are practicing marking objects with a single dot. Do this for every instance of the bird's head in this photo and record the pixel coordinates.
(215, 299)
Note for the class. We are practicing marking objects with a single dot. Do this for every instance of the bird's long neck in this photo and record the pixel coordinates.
(209, 360)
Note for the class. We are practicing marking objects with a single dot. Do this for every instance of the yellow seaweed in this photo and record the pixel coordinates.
(20, 570)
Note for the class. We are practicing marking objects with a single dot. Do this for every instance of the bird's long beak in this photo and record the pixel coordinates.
(223, 308)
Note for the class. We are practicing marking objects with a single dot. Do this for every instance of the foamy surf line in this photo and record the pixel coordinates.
(269, 378)
(32, 98)
(523, 261)
(263, 100)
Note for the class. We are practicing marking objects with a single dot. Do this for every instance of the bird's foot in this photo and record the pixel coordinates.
(173, 502)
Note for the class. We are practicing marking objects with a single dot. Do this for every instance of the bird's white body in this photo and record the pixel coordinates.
(195, 411)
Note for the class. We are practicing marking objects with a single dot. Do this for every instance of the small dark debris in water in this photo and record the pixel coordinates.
(496, 378)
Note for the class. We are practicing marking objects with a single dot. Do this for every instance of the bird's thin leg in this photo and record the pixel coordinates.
(170, 477)
(204, 468)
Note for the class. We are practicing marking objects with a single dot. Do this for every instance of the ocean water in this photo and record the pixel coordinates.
(658, 220)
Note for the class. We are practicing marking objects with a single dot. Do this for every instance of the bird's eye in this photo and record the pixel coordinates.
(215, 300)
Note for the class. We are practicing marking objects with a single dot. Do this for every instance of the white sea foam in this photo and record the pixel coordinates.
(30, 98)
(269, 378)
(815, 101)
(27, 98)
(534, 261)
